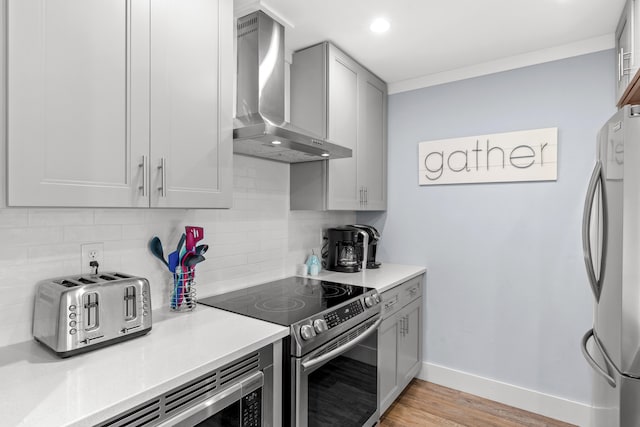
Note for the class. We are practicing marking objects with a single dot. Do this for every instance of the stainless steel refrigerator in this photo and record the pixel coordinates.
(611, 243)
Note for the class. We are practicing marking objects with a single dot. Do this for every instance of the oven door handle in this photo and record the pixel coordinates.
(214, 404)
(333, 353)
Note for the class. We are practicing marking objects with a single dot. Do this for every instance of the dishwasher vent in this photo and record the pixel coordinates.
(188, 393)
(143, 415)
(238, 369)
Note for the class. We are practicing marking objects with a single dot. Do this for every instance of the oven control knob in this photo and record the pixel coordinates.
(376, 298)
(307, 332)
(369, 301)
(320, 325)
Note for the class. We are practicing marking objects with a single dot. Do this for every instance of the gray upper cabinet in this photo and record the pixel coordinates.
(337, 98)
(627, 46)
(119, 104)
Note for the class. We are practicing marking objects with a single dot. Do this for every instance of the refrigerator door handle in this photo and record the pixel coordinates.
(592, 362)
(586, 226)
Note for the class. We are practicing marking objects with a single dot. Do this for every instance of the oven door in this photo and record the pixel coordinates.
(241, 405)
(337, 384)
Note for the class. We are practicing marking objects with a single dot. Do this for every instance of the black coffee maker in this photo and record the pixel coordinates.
(346, 248)
(374, 236)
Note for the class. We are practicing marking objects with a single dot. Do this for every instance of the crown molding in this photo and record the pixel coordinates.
(582, 47)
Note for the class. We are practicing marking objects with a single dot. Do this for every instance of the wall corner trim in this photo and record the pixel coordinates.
(529, 400)
(582, 47)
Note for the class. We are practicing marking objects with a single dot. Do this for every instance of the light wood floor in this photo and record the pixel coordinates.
(427, 404)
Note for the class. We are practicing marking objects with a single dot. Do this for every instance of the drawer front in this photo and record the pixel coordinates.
(391, 302)
(396, 298)
(410, 290)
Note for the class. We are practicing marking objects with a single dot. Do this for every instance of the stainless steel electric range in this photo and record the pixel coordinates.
(330, 357)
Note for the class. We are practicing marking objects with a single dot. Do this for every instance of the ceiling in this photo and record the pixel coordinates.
(432, 37)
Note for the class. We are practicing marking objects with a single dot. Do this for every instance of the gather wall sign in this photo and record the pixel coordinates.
(529, 155)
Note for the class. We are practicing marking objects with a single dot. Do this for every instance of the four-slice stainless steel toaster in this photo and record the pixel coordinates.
(74, 314)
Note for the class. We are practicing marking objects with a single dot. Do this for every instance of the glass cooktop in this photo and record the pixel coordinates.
(286, 301)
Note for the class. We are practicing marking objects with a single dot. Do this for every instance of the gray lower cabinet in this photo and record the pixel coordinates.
(399, 340)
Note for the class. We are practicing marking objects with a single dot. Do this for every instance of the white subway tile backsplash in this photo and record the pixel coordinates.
(13, 255)
(53, 217)
(121, 216)
(92, 233)
(257, 240)
(14, 217)
(57, 252)
(223, 262)
(20, 236)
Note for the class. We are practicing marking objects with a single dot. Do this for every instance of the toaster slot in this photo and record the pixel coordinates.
(91, 311)
(67, 283)
(129, 303)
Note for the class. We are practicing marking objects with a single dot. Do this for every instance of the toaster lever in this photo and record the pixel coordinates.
(126, 330)
(88, 340)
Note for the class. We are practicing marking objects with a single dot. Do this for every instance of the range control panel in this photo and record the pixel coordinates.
(322, 324)
(344, 313)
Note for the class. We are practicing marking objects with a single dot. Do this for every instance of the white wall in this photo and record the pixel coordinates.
(255, 241)
(506, 296)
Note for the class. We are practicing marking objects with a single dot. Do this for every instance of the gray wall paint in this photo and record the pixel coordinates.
(507, 295)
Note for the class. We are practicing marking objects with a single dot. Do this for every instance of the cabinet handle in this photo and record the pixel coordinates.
(407, 323)
(361, 195)
(622, 56)
(366, 196)
(390, 304)
(163, 177)
(413, 292)
(145, 167)
(620, 64)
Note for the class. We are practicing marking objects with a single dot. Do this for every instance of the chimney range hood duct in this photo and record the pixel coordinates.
(259, 127)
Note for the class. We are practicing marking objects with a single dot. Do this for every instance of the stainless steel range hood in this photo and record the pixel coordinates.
(259, 128)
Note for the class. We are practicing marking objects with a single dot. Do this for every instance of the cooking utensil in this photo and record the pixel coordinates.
(174, 259)
(155, 246)
(194, 235)
(202, 249)
(180, 245)
(193, 260)
(176, 298)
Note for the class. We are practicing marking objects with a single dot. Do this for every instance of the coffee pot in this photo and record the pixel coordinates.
(346, 249)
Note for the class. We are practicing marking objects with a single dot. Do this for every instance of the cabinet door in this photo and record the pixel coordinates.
(372, 143)
(388, 362)
(410, 346)
(191, 104)
(71, 116)
(625, 60)
(343, 191)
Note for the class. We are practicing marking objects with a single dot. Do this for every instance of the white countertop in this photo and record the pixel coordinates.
(39, 389)
(382, 279)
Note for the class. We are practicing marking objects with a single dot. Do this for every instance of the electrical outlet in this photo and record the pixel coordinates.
(91, 252)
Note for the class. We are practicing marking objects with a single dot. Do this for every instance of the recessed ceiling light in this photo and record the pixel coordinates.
(379, 25)
(325, 154)
(276, 142)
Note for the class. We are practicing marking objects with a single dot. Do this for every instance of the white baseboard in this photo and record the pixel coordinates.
(508, 394)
